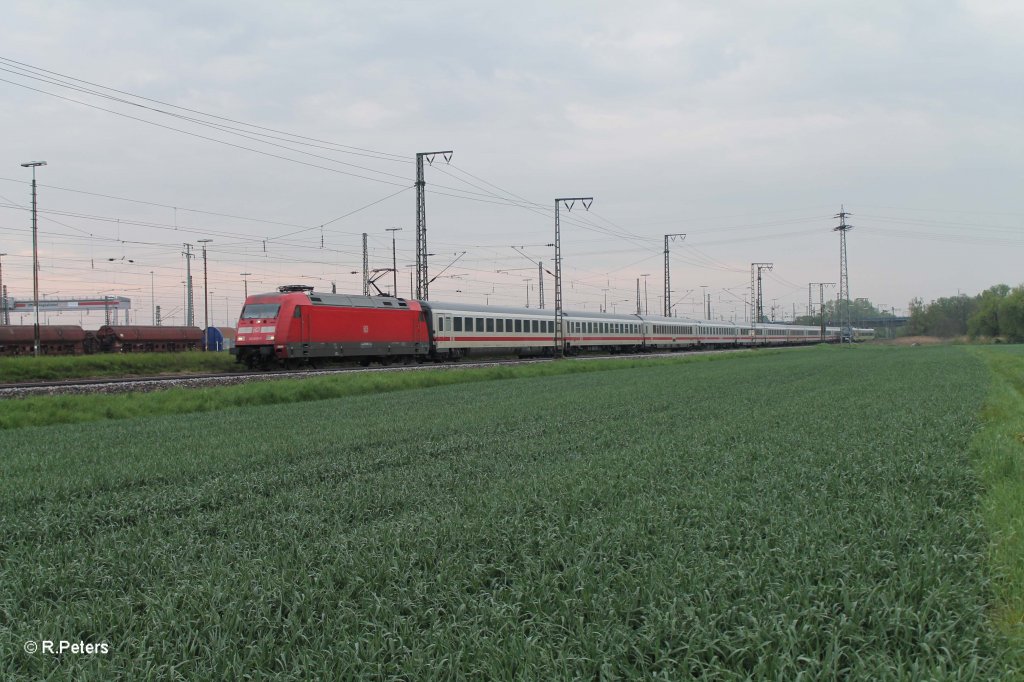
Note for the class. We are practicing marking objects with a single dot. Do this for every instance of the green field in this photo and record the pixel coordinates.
(823, 512)
(55, 367)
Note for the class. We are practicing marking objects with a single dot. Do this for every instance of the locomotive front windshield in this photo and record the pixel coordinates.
(260, 311)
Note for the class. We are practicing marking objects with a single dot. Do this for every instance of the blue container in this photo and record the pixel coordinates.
(219, 338)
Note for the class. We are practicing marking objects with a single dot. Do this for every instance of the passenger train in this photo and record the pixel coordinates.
(296, 325)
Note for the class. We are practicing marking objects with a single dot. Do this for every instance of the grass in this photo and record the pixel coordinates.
(999, 453)
(806, 515)
(56, 367)
(69, 409)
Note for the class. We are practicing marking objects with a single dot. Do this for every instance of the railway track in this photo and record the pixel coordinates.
(162, 382)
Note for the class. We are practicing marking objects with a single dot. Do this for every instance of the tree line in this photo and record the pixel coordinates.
(996, 312)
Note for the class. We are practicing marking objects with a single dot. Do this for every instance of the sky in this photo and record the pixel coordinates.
(284, 131)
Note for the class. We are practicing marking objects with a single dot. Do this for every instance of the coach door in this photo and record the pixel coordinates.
(445, 333)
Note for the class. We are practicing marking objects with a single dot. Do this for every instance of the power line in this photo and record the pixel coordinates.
(359, 151)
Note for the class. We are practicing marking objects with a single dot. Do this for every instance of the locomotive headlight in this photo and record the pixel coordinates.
(270, 338)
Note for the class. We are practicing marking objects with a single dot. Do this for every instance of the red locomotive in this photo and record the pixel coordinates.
(298, 325)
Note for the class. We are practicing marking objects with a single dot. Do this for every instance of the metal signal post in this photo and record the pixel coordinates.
(189, 308)
(569, 203)
(668, 275)
(422, 280)
(756, 303)
(35, 254)
(844, 281)
(3, 294)
(821, 301)
(206, 296)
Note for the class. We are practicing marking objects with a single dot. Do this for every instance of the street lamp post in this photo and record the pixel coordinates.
(35, 255)
(206, 293)
(394, 261)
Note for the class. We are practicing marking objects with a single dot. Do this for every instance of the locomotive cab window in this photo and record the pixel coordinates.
(260, 311)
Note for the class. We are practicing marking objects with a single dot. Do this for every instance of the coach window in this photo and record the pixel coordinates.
(440, 324)
(519, 325)
(458, 324)
(490, 324)
(533, 325)
(501, 324)
(479, 324)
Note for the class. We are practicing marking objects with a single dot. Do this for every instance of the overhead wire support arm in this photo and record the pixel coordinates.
(445, 268)
(422, 279)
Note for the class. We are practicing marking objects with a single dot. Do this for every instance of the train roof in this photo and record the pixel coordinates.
(345, 300)
(393, 302)
(513, 310)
